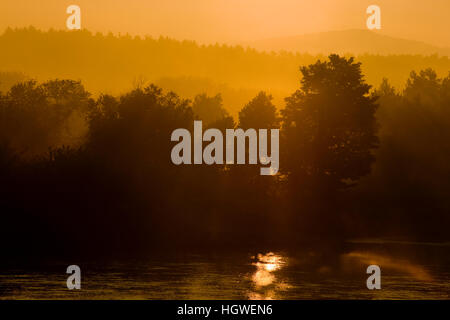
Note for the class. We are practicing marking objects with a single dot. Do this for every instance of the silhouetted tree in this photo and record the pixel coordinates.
(118, 189)
(259, 113)
(8, 79)
(209, 109)
(423, 87)
(44, 115)
(223, 124)
(329, 125)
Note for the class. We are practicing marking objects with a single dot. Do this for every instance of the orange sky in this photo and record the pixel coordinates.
(235, 20)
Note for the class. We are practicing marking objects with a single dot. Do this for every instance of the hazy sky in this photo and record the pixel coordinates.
(235, 20)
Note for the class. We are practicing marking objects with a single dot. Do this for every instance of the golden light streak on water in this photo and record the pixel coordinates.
(385, 262)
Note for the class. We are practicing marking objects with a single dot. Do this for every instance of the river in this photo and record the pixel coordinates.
(409, 270)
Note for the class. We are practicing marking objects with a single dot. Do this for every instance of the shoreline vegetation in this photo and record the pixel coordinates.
(91, 174)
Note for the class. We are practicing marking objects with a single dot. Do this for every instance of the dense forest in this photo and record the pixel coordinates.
(93, 173)
(115, 64)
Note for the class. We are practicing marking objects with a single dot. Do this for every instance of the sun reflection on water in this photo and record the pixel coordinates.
(264, 279)
(269, 262)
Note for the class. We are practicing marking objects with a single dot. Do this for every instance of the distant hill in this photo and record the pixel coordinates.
(348, 41)
(114, 64)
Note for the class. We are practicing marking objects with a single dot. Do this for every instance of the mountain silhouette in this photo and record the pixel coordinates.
(348, 41)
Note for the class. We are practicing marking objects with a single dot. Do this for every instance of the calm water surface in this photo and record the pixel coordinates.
(409, 271)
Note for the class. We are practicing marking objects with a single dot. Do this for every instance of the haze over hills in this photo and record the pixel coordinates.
(349, 41)
(108, 63)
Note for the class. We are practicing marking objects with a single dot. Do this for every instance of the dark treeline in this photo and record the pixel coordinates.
(95, 175)
(108, 63)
